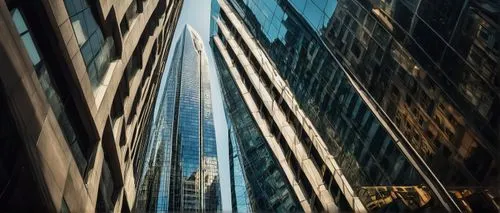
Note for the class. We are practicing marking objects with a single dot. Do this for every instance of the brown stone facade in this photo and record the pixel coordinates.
(71, 145)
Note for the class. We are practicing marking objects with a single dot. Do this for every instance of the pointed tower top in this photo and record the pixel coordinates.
(194, 36)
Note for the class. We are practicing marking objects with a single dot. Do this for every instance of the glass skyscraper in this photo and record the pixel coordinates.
(373, 105)
(181, 172)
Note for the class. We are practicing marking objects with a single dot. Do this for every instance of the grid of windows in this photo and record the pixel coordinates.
(430, 85)
(321, 87)
(428, 67)
(181, 163)
(266, 184)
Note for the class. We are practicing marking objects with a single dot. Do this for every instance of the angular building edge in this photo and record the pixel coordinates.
(77, 100)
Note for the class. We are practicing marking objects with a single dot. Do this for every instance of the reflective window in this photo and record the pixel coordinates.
(438, 62)
(22, 29)
(183, 137)
(313, 14)
(430, 65)
(299, 4)
(78, 146)
(96, 50)
(257, 179)
(351, 130)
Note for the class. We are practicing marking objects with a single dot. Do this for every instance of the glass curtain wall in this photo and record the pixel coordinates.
(426, 70)
(181, 172)
(266, 184)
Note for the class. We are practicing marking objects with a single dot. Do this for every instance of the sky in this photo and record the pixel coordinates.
(197, 14)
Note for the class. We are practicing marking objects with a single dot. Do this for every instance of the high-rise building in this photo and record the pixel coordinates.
(257, 181)
(181, 171)
(78, 83)
(372, 105)
(239, 191)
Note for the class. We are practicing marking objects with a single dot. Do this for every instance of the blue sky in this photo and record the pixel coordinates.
(197, 14)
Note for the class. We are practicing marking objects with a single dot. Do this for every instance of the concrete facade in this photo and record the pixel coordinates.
(113, 117)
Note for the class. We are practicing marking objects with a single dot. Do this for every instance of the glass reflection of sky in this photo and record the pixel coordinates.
(179, 174)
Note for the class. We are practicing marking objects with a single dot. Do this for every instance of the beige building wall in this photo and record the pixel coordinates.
(114, 115)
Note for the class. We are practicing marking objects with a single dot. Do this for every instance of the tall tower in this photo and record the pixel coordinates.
(390, 106)
(181, 172)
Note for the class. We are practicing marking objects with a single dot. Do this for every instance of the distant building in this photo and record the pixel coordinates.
(78, 83)
(369, 105)
(181, 171)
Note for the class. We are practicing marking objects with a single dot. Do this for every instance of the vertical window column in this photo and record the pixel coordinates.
(77, 142)
(98, 52)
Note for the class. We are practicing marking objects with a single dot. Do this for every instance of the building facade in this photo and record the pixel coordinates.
(181, 171)
(78, 84)
(258, 183)
(360, 98)
(240, 198)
